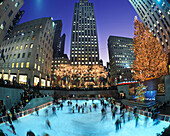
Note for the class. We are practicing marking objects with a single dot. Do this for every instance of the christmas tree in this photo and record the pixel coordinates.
(140, 93)
(151, 61)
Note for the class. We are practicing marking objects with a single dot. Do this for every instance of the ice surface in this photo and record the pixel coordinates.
(66, 123)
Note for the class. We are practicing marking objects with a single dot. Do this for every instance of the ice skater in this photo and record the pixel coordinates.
(117, 124)
(48, 123)
(137, 119)
(54, 110)
(30, 133)
(13, 129)
(37, 112)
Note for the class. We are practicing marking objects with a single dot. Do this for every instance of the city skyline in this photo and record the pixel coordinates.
(113, 19)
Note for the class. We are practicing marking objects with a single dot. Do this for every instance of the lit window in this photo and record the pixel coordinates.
(21, 47)
(26, 45)
(40, 26)
(17, 64)
(38, 68)
(31, 45)
(22, 64)
(35, 66)
(16, 5)
(27, 65)
(16, 48)
(12, 65)
(39, 58)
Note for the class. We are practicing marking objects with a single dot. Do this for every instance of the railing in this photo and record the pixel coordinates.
(26, 112)
(162, 117)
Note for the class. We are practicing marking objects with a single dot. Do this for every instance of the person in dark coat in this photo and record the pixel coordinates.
(30, 133)
(9, 119)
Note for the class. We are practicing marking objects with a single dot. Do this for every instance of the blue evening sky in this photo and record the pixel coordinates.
(113, 17)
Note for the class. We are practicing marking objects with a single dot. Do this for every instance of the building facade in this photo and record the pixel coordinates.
(28, 53)
(56, 63)
(8, 11)
(84, 41)
(62, 44)
(121, 56)
(57, 38)
(156, 15)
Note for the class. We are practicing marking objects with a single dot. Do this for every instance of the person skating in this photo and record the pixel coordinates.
(129, 114)
(79, 109)
(113, 114)
(37, 112)
(83, 109)
(13, 129)
(30, 133)
(76, 106)
(9, 119)
(137, 119)
(90, 108)
(61, 105)
(54, 110)
(123, 116)
(73, 109)
(48, 123)
(117, 125)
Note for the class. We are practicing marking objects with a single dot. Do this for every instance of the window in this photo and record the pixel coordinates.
(31, 45)
(26, 45)
(21, 47)
(17, 64)
(27, 65)
(40, 26)
(35, 66)
(14, 56)
(7, 57)
(38, 68)
(17, 4)
(39, 58)
(29, 54)
(18, 55)
(6, 7)
(33, 37)
(12, 65)
(22, 64)
(10, 13)
(16, 48)
(42, 61)
(23, 55)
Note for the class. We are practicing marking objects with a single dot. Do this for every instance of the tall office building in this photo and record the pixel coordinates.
(84, 41)
(8, 11)
(121, 56)
(156, 15)
(62, 44)
(28, 52)
(57, 38)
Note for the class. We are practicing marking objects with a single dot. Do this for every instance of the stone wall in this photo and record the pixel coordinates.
(10, 96)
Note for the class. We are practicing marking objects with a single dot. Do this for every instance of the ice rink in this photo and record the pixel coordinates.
(66, 123)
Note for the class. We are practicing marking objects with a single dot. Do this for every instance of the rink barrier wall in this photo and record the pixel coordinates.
(26, 112)
(162, 117)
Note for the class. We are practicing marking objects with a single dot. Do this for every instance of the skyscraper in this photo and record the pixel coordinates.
(156, 15)
(57, 35)
(84, 41)
(8, 11)
(62, 44)
(121, 56)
